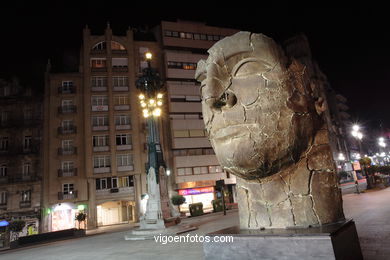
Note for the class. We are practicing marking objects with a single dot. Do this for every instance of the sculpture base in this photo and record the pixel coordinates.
(333, 241)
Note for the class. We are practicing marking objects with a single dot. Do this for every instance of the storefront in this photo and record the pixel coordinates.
(195, 195)
(63, 215)
(115, 212)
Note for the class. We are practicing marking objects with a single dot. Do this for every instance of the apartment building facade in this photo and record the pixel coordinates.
(94, 139)
(194, 165)
(20, 161)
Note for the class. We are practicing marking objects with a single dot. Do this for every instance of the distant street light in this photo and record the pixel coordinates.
(359, 136)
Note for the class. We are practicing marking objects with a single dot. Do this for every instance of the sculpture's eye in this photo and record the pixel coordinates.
(249, 68)
(228, 99)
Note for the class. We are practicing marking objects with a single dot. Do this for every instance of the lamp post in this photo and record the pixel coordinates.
(359, 136)
(151, 100)
(382, 146)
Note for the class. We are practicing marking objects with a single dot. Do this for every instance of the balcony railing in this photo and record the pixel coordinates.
(99, 88)
(99, 127)
(100, 108)
(67, 90)
(25, 204)
(119, 69)
(103, 69)
(67, 109)
(15, 150)
(102, 170)
(19, 178)
(19, 121)
(68, 195)
(125, 168)
(67, 172)
(67, 151)
(121, 88)
(3, 206)
(124, 147)
(112, 192)
(123, 127)
(67, 130)
(119, 51)
(122, 107)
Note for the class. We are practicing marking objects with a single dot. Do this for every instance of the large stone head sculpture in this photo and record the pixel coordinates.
(260, 111)
(263, 116)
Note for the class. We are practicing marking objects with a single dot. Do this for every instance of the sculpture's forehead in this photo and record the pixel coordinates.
(244, 44)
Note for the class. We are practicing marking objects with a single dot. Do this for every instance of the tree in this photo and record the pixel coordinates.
(178, 200)
(81, 217)
(364, 163)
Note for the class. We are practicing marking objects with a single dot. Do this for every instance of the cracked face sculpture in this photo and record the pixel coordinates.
(259, 112)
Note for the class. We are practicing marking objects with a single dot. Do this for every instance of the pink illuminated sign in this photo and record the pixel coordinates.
(195, 191)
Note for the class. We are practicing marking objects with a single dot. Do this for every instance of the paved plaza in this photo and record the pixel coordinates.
(370, 210)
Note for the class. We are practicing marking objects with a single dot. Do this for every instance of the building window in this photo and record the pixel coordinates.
(99, 81)
(120, 81)
(100, 120)
(4, 117)
(121, 100)
(27, 142)
(100, 140)
(67, 124)
(99, 46)
(3, 143)
(184, 171)
(117, 46)
(181, 65)
(67, 83)
(26, 169)
(101, 161)
(3, 170)
(3, 198)
(124, 159)
(67, 103)
(123, 139)
(67, 144)
(67, 166)
(98, 62)
(27, 114)
(122, 120)
(99, 101)
(67, 188)
(25, 195)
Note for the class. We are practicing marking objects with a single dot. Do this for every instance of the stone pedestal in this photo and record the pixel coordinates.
(333, 241)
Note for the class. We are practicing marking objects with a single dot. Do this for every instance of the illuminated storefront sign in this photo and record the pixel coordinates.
(196, 191)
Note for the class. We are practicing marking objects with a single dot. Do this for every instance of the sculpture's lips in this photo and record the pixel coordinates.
(232, 131)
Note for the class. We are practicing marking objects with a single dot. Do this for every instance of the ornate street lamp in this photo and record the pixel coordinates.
(359, 136)
(151, 101)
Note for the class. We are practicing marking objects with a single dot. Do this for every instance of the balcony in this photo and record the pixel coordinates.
(99, 88)
(3, 179)
(121, 107)
(122, 127)
(119, 69)
(67, 109)
(67, 90)
(19, 121)
(121, 88)
(67, 172)
(25, 204)
(101, 148)
(19, 178)
(67, 151)
(68, 195)
(116, 192)
(99, 127)
(67, 130)
(102, 69)
(18, 150)
(102, 170)
(119, 51)
(125, 168)
(124, 147)
(100, 108)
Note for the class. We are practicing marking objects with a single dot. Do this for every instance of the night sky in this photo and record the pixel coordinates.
(349, 42)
